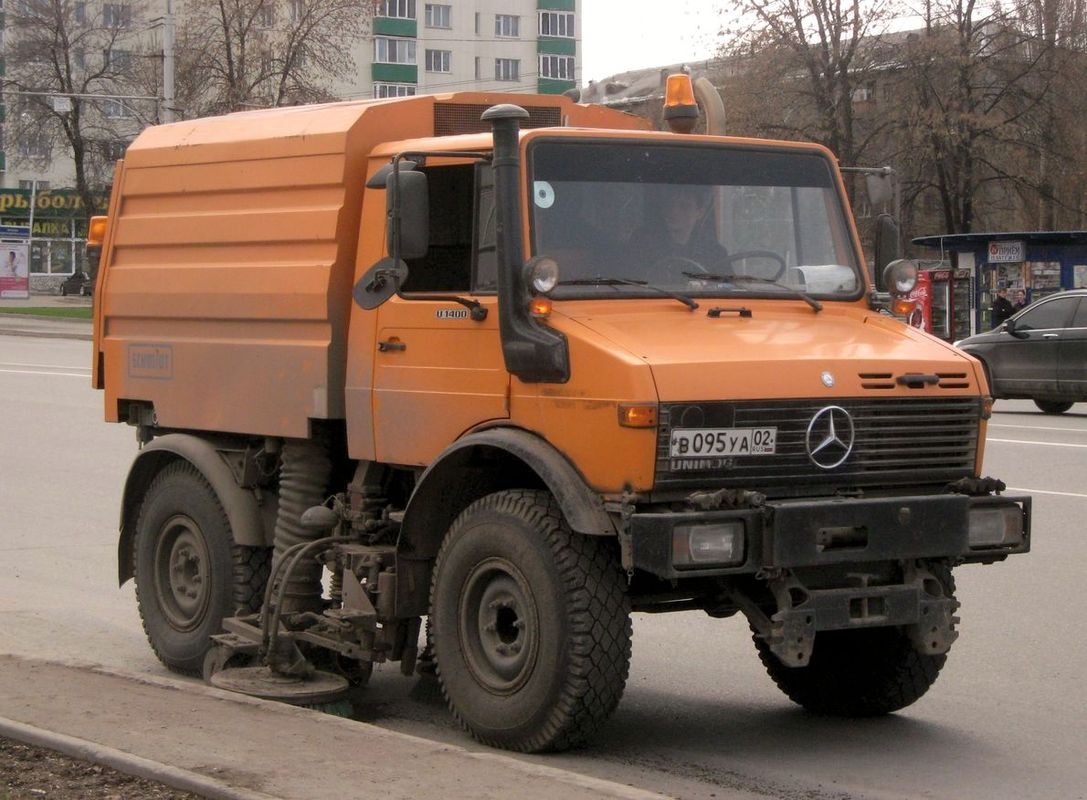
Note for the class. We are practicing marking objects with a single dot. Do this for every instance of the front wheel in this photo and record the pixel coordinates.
(1052, 406)
(530, 624)
(189, 573)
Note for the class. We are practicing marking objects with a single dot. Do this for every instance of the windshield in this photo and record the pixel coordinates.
(697, 219)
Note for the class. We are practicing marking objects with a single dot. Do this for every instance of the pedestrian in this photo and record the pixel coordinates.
(1001, 309)
(1020, 301)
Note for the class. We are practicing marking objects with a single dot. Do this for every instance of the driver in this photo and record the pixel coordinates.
(679, 236)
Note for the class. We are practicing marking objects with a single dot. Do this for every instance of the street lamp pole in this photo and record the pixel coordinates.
(168, 64)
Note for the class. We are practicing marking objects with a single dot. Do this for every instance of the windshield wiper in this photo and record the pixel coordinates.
(709, 276)
(602, 281)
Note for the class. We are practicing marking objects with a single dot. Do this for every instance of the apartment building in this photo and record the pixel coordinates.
(413, 47)
(490, 45)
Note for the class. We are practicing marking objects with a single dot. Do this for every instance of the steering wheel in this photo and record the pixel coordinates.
(731, 257)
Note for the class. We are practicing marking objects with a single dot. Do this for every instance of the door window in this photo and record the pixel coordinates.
(1047, 316)
(1080, 319)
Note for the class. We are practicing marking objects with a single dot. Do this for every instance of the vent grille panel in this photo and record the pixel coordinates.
(897, 442)
(454, 118)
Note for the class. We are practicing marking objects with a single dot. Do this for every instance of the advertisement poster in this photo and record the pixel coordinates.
(14, 270)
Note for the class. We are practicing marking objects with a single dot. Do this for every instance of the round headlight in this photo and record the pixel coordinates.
(543, 274)
(900, 276)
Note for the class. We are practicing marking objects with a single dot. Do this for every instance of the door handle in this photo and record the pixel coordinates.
(385, 347)
(1051, 336)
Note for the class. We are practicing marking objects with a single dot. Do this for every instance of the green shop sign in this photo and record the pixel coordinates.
(48, 204)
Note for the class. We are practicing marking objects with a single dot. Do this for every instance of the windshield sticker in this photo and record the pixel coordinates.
(543, 194)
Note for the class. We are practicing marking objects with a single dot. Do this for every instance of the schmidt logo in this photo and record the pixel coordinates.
(155, 361)
(830, 437)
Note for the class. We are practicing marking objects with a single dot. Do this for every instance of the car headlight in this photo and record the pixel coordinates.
(900, 277)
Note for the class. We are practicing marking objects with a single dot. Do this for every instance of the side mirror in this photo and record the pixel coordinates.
(407, 202)
(888, 246)
(379, 283)
(1011, 328)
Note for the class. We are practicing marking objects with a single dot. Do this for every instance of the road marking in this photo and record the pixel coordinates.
(1046, 444)
(40, 366)
(62, 374)
(1037, 427)
(1045, 491)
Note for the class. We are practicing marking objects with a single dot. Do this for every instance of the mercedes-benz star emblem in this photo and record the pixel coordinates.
(830, 437)
(828, 379)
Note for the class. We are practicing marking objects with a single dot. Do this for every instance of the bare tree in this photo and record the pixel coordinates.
(814, 59)
(971, 88)
(236, 54)
(65, 49)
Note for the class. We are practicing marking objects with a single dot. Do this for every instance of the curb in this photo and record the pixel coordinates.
(209, 787)
(127, 763)
(86, 337)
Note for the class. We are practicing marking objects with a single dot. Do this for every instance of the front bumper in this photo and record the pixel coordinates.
(788, 534)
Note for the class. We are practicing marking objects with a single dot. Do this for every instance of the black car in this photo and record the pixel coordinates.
(80, 283)
(1039, 354)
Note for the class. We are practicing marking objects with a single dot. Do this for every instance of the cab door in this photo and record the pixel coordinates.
(438, 365)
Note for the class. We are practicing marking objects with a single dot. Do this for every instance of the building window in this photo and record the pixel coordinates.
(79, 13)
(40, 186)
(390, 50)
(438, 16)
(298, 10)
(477, 23)
(117, 60)
(397, 9)
(479, 68)
(79, 58)
(113, 151)
(438, 60)
(34, 145)
(560, 67)
(507, 25)
(266, 16)
(507, 69)
(557, 23)
(116, 15)
(116, 109)
(394, 90)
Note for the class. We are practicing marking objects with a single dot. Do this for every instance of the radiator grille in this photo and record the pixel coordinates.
(896, 442)
(454, 118)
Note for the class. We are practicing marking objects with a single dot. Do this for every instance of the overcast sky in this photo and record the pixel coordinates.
(617, 35)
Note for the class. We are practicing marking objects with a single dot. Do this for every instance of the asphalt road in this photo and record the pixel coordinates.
(700, 719)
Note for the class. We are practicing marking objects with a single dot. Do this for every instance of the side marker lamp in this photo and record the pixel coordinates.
(540, 307)
(96, 231)
(638, 415)
(901, 307)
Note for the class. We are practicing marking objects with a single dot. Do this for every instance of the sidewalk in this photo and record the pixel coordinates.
(222, 745)
(45, 327)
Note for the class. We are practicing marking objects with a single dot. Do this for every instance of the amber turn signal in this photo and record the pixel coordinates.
(902, 307)
(638, 415)
(540, 307)
(96, 231)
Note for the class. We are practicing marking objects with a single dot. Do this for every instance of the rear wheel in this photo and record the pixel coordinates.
(530, 624)
(858, 673)
(1052, 406)
(189, 573)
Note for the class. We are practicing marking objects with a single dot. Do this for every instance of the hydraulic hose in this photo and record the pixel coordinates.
(303, 481)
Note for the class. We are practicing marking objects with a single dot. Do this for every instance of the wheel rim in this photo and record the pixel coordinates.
(499, 626)
(182, 582)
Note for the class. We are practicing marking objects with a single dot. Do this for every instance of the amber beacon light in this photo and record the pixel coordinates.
(680, 108)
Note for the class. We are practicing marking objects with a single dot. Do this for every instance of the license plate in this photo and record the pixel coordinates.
(708, 442)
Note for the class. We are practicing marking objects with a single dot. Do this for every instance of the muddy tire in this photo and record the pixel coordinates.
(530, 624)
(1052, 406)
(189, 573)
(859, 673)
